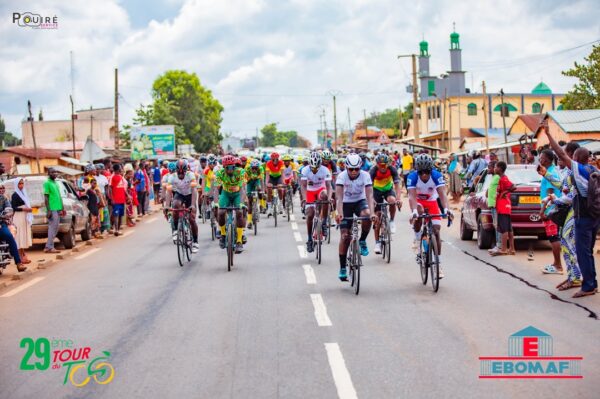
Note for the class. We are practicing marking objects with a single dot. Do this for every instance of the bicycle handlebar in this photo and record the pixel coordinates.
(230, 208)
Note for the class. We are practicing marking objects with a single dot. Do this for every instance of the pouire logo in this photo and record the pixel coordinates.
(530, 355)
(35, 21)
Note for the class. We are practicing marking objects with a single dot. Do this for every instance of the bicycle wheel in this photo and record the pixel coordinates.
(356, 272)
(387, 252)
(434, 264)
(288, 208)
(423, 263)
(180, 242)
(229, 246)
(382, 236)
(188, 240)
(203, 212)
(275, 211)
(328, 221)
(319, 235)
(255, 216)
(352, 258)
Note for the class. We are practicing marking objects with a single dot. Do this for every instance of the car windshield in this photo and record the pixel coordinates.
(518, 177)
(35, 191)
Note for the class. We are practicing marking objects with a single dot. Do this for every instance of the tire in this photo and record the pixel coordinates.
(356, 270)
(485, 238)
(203, 212)
(434, 264)
(423, 264)
(387, 251)
(229, 247)
(180, 243)
(466, 234)
(86, 233)
(188, 241)
(319, 234)
(68, 238)
(329, 229)
(275, 211)
(288, 208)
(213, 229)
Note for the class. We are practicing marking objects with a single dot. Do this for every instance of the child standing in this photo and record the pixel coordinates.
(503, 207)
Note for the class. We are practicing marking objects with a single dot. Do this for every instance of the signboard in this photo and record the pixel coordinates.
(185, 149)
(152, 141)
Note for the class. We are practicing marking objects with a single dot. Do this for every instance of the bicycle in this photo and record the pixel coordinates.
(289, 201)
(184, 235)
(428, 257)
(353, 258)
(385, 234)
(317, 229)
(202, 210)
(230, 232)
(255, 211)
(102, 369)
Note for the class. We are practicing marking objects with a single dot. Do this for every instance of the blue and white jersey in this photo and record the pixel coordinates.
(581, 175)
(426, 191)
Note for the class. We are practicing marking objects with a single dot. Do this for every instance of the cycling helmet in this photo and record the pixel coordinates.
(172, 167)
(341, 161)
(274, 156)
(286, 157)
(315, 160)
(255, 163)
(299, 159)
(228, 160)
(89, 168)
(243, 159)
(474, 154)
(238, 161)
(423, 162)
(182, 166)
(382, 158)
(326, 155)
(212, 159)
(203, 158)
(353, 161)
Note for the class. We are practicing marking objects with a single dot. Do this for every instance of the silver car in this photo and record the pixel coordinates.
(76, 221)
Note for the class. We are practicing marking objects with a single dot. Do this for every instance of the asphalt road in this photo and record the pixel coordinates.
(280, 326)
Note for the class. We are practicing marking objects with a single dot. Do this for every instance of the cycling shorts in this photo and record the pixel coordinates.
(380, 196)
(350, 209)
(229, 199)
(253, 185)
(432, 208)
(312, 196)
(275, 181)
(186, 200)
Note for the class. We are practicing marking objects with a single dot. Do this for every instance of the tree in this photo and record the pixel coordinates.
(390, 118)
(7, 139)
(272, 137)
(585, 93)
(268, 133)
(41, 115)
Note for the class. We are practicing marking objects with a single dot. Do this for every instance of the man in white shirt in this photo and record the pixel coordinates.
(354, 195)
(315, 185)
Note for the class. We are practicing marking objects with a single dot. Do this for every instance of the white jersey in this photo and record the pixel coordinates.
(183, 186)
(426, 191)
(354, 190)
(316, 181)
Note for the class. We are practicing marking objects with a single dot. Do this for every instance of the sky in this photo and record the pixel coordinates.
(279, 61)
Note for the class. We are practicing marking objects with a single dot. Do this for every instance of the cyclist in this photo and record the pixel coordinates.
(386, 186)
(289, 173)
(171, 167)
(254, 181)
(231, 180)
(273, 175)
(425, 186)
(341, 163)
(366, 163)
(183, 183)
(209, 178)
(315, 184)
(202, 164)
(333, 169)
(354, 191)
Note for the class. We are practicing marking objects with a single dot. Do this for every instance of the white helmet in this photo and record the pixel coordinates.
(353, 161)
(315, 160)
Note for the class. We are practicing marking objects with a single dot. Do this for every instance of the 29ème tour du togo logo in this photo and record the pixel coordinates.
(35, 21)
(530, 355)
(62, 353)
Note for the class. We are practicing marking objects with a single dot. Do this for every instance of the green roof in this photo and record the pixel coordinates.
(541, 88)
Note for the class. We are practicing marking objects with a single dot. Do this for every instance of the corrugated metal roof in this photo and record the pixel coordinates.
(494, 131)
(585, 120)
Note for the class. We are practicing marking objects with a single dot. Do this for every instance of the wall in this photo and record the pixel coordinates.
(47, 132)
(558, 134)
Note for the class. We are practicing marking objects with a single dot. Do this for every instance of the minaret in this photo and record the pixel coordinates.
(456, 74)
(424, 68)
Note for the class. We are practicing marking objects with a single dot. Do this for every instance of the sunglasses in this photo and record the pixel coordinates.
(353, 169)
(230, 167)
(424, 172)
(382, 165)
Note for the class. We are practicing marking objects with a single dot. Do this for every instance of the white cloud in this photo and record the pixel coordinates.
(275, 61)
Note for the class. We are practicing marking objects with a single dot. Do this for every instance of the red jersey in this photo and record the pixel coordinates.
(274, 170)
(118, 185)
(503, 202)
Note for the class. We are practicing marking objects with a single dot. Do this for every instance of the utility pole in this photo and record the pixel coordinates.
(365, 123)
(35, 149)
(415, 90)
(73, 124)
(117, 109)
(485, 121)
(504, 109)
(334, 125)
(91, 124)
(325, 131)
(349, 127)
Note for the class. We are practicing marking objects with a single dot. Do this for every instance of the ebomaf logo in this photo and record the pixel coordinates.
(35, 21)
(530, 355)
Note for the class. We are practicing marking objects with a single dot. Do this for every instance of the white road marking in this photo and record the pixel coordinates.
(127, 233)
(151, 220)
(292, 218)
(22, 287)
(297, 236)
(294, 226)
(320, 310)
(341, 376)
(88, 253)
(302, 251)
(310, 274)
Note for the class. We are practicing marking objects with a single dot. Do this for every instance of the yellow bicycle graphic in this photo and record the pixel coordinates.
(101, 371)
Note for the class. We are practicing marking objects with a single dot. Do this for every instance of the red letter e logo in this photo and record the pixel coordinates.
(530, 346)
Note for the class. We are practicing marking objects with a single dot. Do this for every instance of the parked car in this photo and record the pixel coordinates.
(76, 221)
(525, 201)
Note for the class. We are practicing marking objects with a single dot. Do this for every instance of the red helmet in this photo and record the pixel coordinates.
(238, 161)
(228, 160)
(243, 159)
(274, 155)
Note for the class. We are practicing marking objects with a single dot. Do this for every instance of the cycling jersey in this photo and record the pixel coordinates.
(289, 171)
(209, 175)
(231, 183)
(251, 175)
(426, 191)
(183, 186)
(354, 190)
(333, 168)
(315, 181)
(384, 181)
(274, 170)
